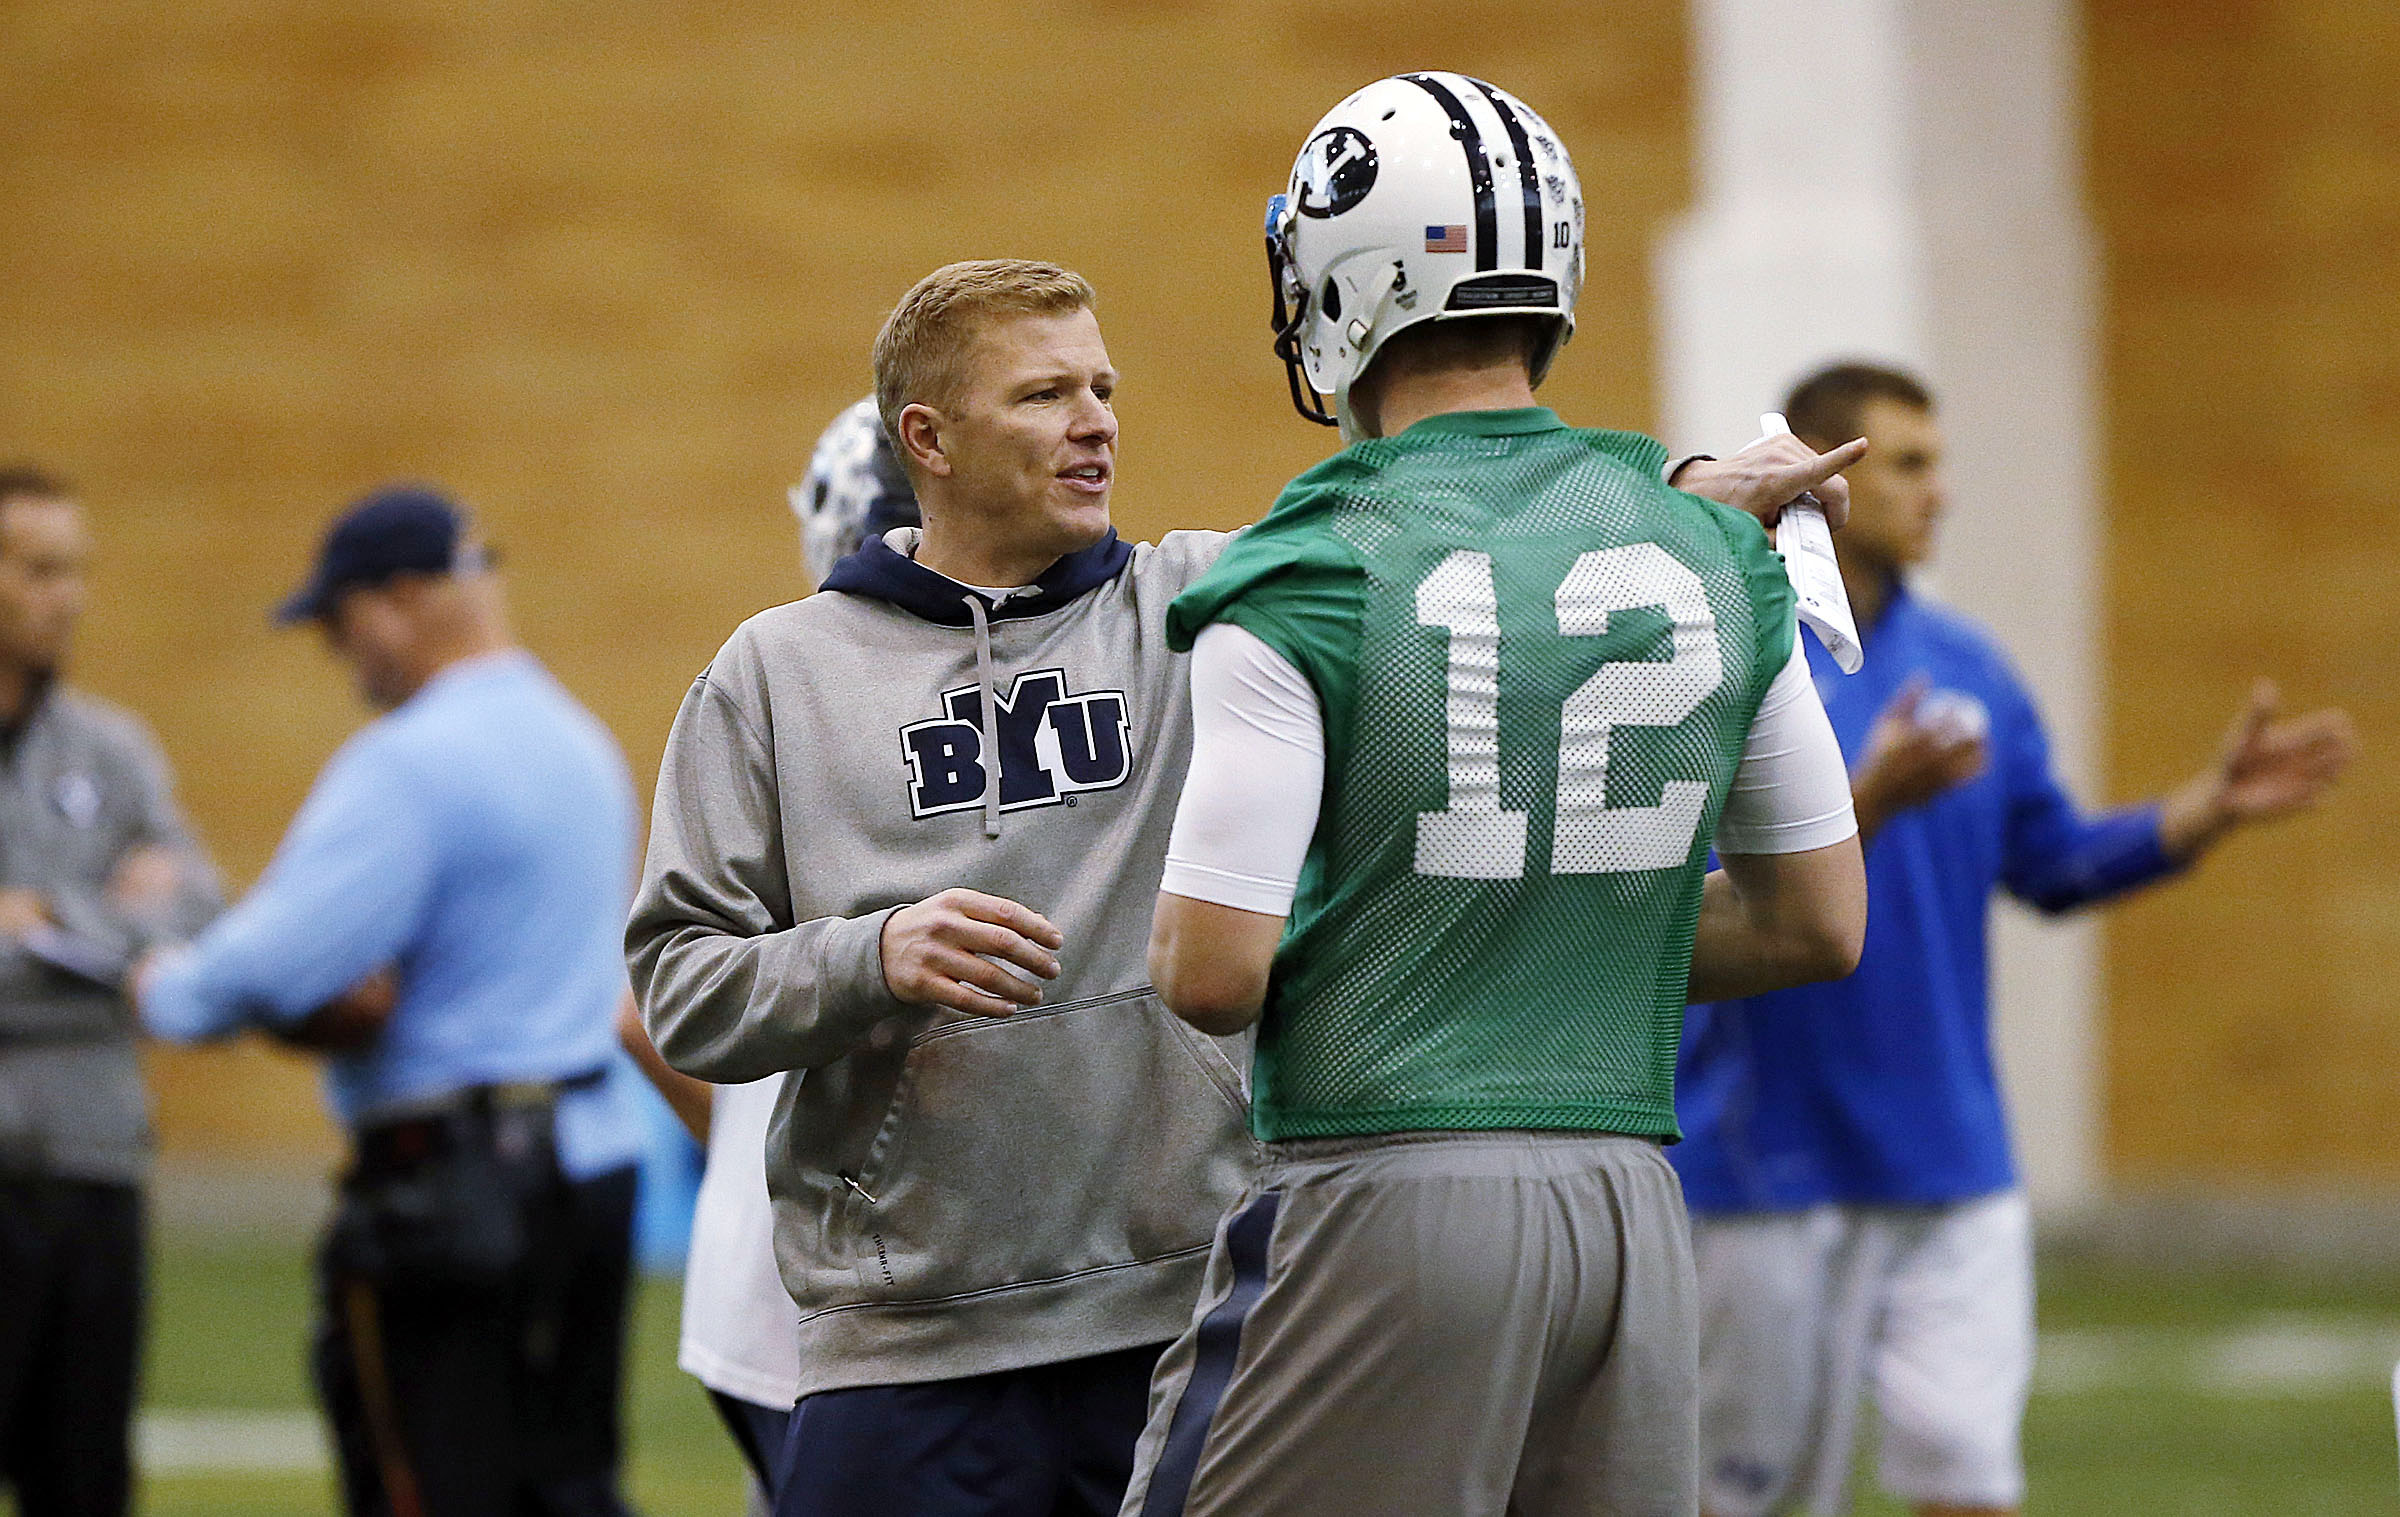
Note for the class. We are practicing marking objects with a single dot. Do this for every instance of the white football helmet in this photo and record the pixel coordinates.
(1423, 197)
(855, 489)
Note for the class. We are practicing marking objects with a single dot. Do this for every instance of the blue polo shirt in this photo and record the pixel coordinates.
(480, 838)
(1880, 1088)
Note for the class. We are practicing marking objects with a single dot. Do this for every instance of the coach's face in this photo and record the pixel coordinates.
(44, 551)
(1896, 491)
(1026, 452)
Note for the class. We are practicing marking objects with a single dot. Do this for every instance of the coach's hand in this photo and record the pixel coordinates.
(21, 911)
(2269, 766)
(934, 953)
(1910, 760)
(347, 1023)
(1773, 472)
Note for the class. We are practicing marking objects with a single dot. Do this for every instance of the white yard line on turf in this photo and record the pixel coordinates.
(2271, 1356)
(229, 1443)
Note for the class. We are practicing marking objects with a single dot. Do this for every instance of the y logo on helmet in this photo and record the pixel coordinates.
(1052, 745)
(1335, 171)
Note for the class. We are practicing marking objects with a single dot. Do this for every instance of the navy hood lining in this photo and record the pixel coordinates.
(880, 572)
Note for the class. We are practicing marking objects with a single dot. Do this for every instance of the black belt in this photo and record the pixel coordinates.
(437, 1127)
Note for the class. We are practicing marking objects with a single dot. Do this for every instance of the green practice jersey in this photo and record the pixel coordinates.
(1538, 665)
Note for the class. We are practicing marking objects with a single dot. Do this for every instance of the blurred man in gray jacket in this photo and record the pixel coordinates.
(95, 867)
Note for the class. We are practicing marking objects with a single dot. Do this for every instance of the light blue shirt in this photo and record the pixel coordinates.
(479, 839)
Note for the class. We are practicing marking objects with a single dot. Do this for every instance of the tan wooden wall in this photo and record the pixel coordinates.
(606, 267)
(2246, 172)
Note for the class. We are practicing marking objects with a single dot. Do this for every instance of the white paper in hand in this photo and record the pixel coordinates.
(1805, 540)
(63, 950)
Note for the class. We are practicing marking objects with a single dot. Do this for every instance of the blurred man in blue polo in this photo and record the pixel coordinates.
(442, 920)
(1856, 1216)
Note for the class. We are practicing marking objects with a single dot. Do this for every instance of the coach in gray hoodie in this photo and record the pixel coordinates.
(906, 839)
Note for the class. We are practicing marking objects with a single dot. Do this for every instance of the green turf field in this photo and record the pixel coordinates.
(2210, 1393)
(2160, 1393)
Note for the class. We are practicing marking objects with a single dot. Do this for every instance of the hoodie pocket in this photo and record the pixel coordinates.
(1042, 1145)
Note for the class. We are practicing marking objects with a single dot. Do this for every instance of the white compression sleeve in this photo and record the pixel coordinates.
(1792, 792)
(1258, 772)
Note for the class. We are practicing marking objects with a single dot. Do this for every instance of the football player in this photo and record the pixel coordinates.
(1469, 706)
(1857, 1218)
(855, 489)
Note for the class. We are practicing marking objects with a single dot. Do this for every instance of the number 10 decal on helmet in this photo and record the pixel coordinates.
(1423, 197)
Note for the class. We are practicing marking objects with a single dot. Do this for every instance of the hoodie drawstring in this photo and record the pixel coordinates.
(991, 715)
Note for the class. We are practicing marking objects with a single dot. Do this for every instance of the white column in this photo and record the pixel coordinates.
(1899, 180)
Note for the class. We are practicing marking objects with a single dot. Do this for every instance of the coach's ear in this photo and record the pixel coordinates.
(921, 436)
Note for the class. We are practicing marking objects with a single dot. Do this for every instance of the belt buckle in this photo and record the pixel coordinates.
(522, 1095)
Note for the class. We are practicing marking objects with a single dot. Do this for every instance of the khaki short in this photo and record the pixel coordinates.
(1437, 1323)
(1925, 1310)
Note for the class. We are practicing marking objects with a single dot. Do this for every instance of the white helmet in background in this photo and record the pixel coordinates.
(1423, 197)
(855, 489)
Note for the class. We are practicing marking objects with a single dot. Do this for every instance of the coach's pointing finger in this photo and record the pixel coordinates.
(1771, 473)
(1821, 476)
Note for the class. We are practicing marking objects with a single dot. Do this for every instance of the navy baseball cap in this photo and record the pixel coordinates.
(401, 529)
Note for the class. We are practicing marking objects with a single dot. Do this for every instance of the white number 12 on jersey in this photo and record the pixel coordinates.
(1475, 838)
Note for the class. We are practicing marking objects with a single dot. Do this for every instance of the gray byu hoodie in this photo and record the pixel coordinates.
(953, 1195)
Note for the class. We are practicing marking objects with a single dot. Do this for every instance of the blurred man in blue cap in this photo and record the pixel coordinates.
(442, 921)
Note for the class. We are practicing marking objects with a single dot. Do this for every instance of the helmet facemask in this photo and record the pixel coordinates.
(1291, 314)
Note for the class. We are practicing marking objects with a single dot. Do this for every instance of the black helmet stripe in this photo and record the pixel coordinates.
(1479, 168)
(1527, 179)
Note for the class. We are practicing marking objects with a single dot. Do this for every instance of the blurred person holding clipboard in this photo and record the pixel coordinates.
(96, 865)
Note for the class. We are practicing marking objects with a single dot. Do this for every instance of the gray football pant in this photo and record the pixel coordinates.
(1437, 1325)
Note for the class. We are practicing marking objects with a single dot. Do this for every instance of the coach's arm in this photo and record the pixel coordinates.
(1770, 921)
(731, 987)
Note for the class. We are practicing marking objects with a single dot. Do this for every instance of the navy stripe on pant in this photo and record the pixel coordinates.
(1217, 1344)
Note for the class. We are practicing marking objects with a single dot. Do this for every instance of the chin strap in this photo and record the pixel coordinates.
(1291, 313)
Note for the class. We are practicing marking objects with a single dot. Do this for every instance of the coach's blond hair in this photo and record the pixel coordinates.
(920, 351)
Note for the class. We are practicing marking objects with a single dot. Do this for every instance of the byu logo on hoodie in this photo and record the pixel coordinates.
(1052, 745)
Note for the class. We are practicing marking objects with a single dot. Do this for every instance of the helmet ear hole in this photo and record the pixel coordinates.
(1331, 305)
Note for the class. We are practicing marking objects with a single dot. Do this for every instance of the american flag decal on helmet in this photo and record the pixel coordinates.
(1445, 239)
